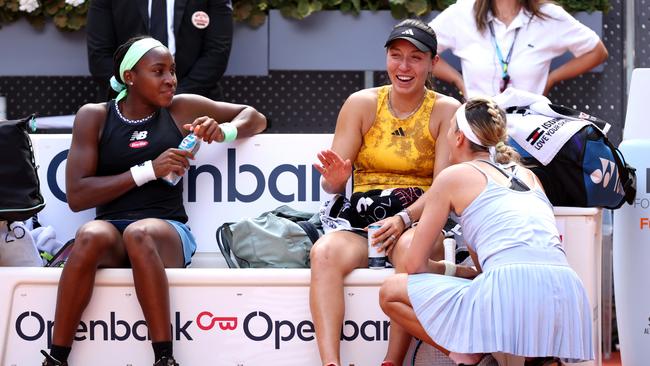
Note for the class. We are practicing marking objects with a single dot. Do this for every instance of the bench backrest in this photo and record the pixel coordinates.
(226, 182)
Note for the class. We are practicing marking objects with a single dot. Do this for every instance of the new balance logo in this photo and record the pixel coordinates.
(138, 139)
(409, 32)
(139, 135)
(398, 132)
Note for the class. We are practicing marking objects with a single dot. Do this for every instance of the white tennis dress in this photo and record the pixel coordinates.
(527, 301)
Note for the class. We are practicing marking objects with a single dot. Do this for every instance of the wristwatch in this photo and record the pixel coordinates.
(406, 218)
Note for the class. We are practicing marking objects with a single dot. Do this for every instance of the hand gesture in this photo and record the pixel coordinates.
(333, 168)
(206, 129)
(172, 160)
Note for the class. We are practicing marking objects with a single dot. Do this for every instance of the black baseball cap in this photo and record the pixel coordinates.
(424, 41)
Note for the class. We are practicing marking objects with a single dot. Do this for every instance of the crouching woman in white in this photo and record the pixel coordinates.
(527, 301)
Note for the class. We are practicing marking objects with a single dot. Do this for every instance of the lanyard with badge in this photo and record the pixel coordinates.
(505, 77)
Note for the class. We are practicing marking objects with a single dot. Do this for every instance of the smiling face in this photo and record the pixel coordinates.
(153, 78)
(408, 68)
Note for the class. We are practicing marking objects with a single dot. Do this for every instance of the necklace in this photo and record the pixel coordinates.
(132, 121)
(409, 114)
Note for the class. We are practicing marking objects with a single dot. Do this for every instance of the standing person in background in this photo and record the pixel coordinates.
(119, 152)
(394, 137)
(197, 33)
(510, 43)
(527, 301)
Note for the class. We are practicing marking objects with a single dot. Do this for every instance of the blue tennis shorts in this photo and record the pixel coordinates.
(187, 239)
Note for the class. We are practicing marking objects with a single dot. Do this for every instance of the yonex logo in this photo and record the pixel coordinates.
(409, 32)
(605, 175)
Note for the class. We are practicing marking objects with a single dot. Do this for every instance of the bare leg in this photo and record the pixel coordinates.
(97, 244)
(152, 245)
(394, 300)
(399, 339)
(333, 257)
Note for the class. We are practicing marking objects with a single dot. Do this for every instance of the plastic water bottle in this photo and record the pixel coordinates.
(189, 143)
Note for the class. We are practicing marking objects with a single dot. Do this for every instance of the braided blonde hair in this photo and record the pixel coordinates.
(488, 121)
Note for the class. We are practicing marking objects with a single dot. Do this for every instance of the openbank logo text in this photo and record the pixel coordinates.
(233, 171)
(257, 326)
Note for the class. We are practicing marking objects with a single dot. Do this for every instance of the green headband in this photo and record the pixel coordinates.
(132, 56)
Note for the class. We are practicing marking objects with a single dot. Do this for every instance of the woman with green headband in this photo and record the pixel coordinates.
(119, 151)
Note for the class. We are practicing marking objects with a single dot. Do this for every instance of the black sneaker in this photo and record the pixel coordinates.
(51, 361)
(166, 361)
(543, 361)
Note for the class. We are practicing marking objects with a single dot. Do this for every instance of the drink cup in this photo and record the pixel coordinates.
(376, 260)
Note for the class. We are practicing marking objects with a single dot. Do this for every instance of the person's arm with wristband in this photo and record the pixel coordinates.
(216, 121)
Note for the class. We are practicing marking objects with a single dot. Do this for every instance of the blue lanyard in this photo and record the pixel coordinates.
(506, 62)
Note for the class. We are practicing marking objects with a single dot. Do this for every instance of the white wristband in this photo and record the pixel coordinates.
(143, 173)
(406, 219)
(450, 268)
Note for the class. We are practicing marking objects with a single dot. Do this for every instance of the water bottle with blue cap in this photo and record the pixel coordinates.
(190, 143)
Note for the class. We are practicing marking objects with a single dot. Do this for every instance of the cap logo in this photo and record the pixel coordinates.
(409, 32)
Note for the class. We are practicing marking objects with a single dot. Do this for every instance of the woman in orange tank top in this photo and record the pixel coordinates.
(393, 136)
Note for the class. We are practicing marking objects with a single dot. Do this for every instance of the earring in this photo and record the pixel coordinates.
(131, 83)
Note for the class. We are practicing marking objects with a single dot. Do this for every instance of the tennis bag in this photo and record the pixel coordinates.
(20, 195)
(569, 152)
(281, 238)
